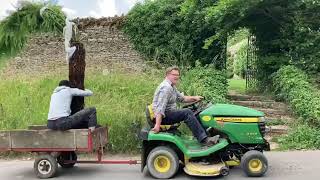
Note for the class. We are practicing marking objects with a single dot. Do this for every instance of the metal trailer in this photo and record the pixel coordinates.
(57, 147)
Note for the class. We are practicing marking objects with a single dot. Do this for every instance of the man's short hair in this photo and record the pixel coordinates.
(64, 83)
(172, 68)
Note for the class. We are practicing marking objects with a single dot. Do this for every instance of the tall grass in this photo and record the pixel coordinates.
(3, 61)
(120, 100)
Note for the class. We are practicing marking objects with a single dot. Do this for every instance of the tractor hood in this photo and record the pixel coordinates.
(230, 110)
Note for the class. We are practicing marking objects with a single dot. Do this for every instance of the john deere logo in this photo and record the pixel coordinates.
(232, 119)
(237, 119)
(206, 118)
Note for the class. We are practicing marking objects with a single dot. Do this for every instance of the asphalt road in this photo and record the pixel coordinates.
(282, 165)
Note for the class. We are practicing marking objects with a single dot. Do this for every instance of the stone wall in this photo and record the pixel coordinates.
(106, 47)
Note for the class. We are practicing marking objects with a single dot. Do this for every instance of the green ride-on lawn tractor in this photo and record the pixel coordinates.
(241, 142)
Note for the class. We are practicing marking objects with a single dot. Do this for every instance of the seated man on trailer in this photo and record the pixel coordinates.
(60, 118)
(166, 112)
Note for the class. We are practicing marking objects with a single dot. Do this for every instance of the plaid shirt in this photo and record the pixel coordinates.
(165, 98)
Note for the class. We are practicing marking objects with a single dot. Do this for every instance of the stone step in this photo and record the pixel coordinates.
(277, 129)
(240, 97)
(282, 120)
(277, 116)
(261, 104)
(273, 145)
(274, 113)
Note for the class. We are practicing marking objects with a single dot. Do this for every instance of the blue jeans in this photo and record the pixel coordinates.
(189, 118)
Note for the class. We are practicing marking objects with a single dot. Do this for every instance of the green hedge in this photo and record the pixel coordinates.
(205, 81)
(292, 84)
(302, 136)
(159, 30)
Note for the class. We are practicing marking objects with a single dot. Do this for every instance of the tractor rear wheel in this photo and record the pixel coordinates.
(163, 162)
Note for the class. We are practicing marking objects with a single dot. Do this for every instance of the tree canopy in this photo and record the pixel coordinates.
(160, 30)
(287, 31)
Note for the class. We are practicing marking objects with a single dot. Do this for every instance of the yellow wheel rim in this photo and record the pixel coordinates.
(162, 164)
(255, 165)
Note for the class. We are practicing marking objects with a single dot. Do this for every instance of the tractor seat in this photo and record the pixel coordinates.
(151, 121)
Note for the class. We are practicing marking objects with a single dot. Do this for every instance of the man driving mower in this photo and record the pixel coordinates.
(166, 112)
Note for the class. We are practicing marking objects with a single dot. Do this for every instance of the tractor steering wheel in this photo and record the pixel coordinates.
(193, 106)
(198, 106)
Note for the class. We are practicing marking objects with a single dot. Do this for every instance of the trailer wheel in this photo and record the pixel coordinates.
(67, 156)
(45, 166)
(163, 162)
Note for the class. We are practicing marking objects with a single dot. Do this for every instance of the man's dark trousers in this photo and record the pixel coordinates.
(189, 118)
(80, 120)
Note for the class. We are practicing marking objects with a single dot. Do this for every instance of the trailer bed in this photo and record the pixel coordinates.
(57, 147)
(45, 140)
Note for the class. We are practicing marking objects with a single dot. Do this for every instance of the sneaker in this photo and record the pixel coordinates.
(98, 126)
(210, 141)
(92, 128)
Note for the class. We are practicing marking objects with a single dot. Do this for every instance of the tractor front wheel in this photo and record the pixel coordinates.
(254, 163)
(163, 162)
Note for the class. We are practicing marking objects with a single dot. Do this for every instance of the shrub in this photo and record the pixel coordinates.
(301, 137)
(160, 31)
(268, 65)
(292, 85)
(205, 81)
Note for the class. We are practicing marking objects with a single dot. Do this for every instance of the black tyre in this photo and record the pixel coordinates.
(254, 163)
(163, 162)
(224, 171)
(64, 157)
(45, 166)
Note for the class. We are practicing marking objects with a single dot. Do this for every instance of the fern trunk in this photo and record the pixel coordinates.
(77, 66)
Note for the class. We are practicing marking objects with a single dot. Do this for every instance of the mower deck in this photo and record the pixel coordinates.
(203, 169)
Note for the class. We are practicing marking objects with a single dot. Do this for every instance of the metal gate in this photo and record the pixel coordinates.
(251, 67)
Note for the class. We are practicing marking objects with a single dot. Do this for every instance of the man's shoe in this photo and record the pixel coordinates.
(98, 126)
(92, 128)
(210, 141)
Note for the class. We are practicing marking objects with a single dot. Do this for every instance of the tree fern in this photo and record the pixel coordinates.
(17, 27)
